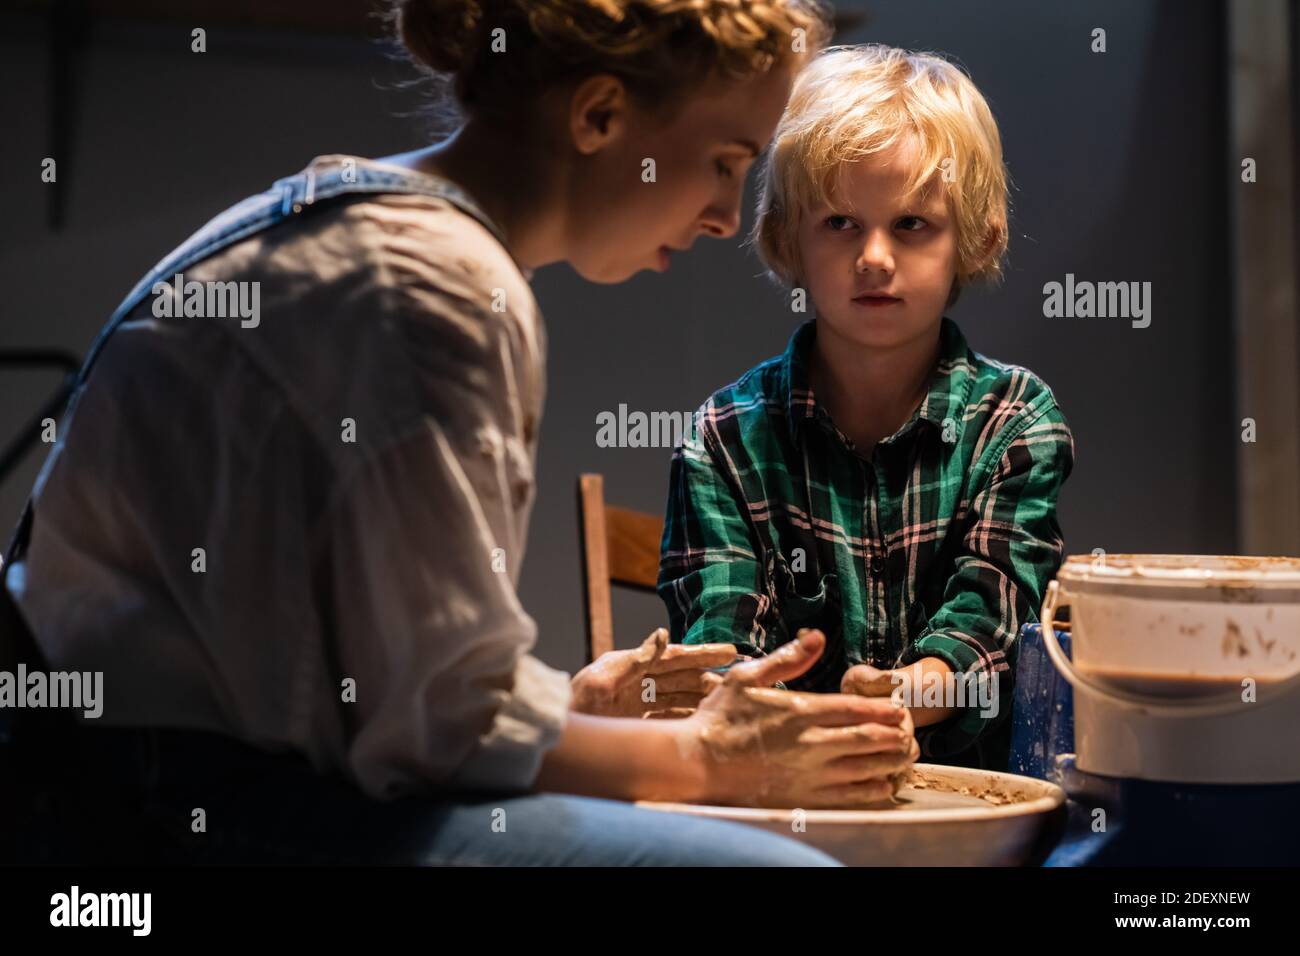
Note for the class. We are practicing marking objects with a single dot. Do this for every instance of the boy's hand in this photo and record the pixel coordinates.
(868, 681)
(657, 679)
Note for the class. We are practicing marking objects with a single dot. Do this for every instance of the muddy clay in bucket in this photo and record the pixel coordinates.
(1184, 667)
(1183, 625)
(1164, 685)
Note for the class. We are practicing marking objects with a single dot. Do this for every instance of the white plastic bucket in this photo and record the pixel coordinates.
(1186, 668)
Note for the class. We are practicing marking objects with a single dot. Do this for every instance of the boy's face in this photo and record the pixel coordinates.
(879, 269)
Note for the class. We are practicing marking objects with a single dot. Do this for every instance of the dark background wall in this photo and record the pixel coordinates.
(1120, 170)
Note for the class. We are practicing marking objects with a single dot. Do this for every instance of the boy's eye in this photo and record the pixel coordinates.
(838, 223)
(911, 223)
(723, 169)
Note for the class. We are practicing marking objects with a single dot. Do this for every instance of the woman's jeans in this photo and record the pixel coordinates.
(122, 796)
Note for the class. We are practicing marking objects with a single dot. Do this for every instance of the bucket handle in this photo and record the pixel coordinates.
(1159, 706)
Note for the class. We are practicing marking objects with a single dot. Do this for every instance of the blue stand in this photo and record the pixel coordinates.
(1121, 822)
(1042, 708)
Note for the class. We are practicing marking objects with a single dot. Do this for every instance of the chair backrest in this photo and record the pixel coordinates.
(619, 546)
(16, 641)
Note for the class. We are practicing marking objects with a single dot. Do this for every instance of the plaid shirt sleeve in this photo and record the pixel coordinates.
(709, 576)
(1011, 548)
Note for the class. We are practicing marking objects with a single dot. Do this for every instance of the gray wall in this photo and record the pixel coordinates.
(1120, 173)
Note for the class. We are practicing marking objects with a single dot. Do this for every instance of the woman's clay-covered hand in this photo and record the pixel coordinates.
(657, 679)
(775, 748)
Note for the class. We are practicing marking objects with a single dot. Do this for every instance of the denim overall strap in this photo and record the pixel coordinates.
(284, 200)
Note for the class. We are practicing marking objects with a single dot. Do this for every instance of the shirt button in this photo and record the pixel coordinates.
(877, 565)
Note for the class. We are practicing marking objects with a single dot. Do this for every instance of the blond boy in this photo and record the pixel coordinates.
(879, 481)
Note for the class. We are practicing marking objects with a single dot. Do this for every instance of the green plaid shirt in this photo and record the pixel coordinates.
(940, 546)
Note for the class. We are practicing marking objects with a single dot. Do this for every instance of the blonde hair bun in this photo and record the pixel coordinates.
(441, 35)
(498, 54)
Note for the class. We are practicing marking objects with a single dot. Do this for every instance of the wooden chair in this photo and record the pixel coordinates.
(619, 546)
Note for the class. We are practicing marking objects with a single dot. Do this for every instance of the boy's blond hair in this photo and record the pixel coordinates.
(852, 101)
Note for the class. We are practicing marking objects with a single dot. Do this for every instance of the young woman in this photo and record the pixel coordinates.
(289, 538)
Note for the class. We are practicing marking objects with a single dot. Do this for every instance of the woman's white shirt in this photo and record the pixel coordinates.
(307, 532)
